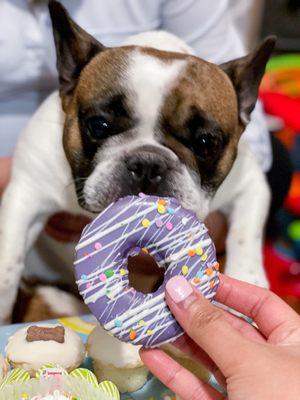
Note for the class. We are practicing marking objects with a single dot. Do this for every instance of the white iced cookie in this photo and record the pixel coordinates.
(116, 361)
(32, 347)
(3, 367)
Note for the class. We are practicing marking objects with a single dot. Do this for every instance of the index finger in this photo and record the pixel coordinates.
(266, 309)
(177, 378)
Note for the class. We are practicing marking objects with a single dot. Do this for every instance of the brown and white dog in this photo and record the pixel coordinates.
(138, 119)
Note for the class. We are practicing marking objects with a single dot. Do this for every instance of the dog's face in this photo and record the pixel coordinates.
(144, 120)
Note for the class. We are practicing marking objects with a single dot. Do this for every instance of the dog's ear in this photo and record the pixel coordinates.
(246, 74)
(74, 48)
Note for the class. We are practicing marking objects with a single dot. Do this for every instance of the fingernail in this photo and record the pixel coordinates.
(178, 289)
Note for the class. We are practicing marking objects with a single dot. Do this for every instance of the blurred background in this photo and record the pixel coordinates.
(280, 94)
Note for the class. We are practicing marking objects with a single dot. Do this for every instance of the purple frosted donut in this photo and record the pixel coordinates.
(172, 235)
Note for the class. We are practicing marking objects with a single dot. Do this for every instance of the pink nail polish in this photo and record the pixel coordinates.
(179, 289)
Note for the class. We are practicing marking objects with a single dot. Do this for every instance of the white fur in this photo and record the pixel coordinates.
(160, 40)
(150, 79)
(41, 182)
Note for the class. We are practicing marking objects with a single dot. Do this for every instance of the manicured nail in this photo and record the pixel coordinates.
(178, 289)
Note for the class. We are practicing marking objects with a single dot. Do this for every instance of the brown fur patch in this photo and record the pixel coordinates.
(203, 87)
(98, 82)
(206, 87)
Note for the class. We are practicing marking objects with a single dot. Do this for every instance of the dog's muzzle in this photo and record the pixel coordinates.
(148, 167)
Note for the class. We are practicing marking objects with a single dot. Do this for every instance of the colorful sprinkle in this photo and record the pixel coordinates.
(199, 251)
(145, 222)
(83, 277)
(171, 210)
(184, 269)
(88, 285)
(158, 223)
(109, 273)
(141, 322)
(169, 226)
(132, 335)
(184, 220)
(118, 323)
(123, 271)
(102, 277)
(209, 271)
(98, 246)
(199, 274)
(204, 257)
(109, 295)
(161, 209)
(150, 332)
(144, 250)
(196, 280)
(162, 202)
(191, 253)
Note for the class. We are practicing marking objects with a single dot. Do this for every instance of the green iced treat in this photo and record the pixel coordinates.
(85, 375)
(16, 375)
(110, 389)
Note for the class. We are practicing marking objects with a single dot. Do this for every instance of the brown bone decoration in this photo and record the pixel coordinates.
(36, 333)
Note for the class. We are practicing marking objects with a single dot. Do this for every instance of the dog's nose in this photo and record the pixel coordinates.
(146, 170)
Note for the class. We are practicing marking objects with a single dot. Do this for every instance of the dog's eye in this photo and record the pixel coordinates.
(99, 127)
(205, 145)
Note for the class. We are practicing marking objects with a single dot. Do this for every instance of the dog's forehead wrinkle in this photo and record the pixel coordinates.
(121, 146)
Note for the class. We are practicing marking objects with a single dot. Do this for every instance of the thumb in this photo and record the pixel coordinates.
(206, 325)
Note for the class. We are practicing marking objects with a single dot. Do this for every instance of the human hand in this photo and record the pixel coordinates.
(252, 364)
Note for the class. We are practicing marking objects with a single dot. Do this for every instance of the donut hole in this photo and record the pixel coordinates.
(144, 274)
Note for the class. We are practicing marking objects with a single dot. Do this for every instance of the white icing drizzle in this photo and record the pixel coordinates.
(101, 233)
(147, 315)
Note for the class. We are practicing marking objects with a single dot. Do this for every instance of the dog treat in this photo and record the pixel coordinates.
(81, 384)
(172, 235)
(32, 354)
(35, 333)
(116, 361)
